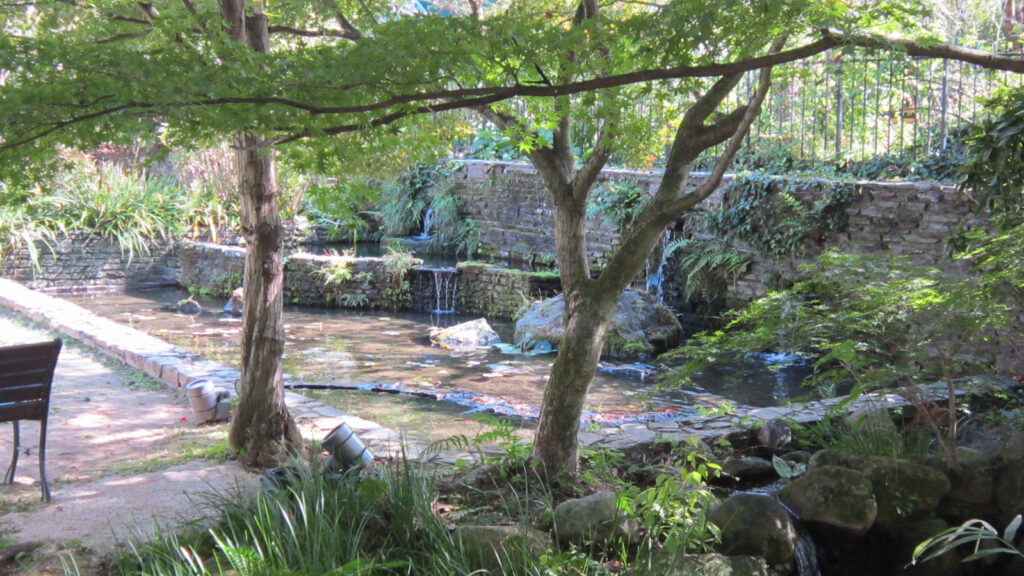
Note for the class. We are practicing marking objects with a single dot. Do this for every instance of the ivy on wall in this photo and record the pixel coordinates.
(770, 214)
(765, 212)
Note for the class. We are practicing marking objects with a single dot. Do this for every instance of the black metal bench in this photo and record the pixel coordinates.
(26, 375)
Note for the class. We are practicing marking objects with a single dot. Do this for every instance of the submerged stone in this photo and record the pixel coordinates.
(465, 337)
(186, 306)
(234, 305)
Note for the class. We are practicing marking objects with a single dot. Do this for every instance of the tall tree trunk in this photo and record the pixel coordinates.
(261, 428)
(588, 313)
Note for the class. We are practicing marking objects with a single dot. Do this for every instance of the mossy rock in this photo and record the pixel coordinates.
(836, 503)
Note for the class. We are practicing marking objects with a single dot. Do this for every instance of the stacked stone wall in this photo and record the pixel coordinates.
(80, 261)
(497, 292)
(913, 219)
(369, 285)
(211, 268)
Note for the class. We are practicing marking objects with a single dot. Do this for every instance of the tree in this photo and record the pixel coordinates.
(348, 86)
(590, 300)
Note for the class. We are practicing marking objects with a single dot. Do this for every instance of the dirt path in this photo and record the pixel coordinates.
(123, 456)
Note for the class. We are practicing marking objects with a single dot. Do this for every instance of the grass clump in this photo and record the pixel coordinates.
(384, 522)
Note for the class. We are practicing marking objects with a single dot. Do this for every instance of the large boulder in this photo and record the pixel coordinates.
(488, 548)
(756, 525)
(595, 519)
(917, 531)
(903, 489)
(465, 337)
(1008, 489)
(973, 483)
(641, 327)
(836, 503)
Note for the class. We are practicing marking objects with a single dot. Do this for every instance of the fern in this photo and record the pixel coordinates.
(336, 272)
(706, 262)
(354, 300)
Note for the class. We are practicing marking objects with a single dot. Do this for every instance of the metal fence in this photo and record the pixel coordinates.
(858, 107)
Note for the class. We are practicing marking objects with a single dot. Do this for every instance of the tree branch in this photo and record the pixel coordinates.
(592, 166)
(715, 178)
(946, 51)
(353, 32)
(346, 34)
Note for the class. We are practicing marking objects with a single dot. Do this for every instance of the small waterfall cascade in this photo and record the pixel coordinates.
(446, 281)
(428, 224)
(806, 554)
(654, 271)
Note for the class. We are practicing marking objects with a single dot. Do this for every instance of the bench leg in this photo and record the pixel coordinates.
(9, 478)
(42, 459)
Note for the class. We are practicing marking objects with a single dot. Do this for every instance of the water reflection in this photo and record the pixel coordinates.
(371, 348)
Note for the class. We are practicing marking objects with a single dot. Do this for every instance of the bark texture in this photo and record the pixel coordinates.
(262, 430)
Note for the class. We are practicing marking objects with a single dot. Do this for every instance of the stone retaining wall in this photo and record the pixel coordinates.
(211, 268)
(513, 212)
(500, 292)
(79, 261)
(370, 284)
(913, 219)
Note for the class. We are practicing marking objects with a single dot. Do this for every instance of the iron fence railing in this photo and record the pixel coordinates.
(854, 108)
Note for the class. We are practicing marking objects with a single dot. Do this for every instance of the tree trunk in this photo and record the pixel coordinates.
(556, 443)
(588, 313)
(262, 430)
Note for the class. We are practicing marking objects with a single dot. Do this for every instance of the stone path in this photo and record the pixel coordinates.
(124, 460)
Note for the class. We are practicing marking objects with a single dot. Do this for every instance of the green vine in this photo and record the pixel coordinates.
(764, 211)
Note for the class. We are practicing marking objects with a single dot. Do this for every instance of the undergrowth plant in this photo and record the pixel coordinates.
(985, 540)
(674, 512)
(406, 201)
(707, 262)
(617, 203)
(336, 272)
(869, 322)
(398, 262)
(382, 522)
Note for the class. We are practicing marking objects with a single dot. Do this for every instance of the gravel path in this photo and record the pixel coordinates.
(123, 458)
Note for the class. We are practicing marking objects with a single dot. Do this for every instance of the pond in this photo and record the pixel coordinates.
(375, 351)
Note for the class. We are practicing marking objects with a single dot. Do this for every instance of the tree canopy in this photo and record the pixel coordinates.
(91, 73)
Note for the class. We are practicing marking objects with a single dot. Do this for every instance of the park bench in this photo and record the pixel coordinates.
(26, 375)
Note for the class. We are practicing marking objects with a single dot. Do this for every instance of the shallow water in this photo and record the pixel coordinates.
(368, 349)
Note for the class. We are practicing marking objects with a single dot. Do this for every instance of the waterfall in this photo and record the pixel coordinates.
(806, 555)
(428, 224)
(446, 280)
(654, 284)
